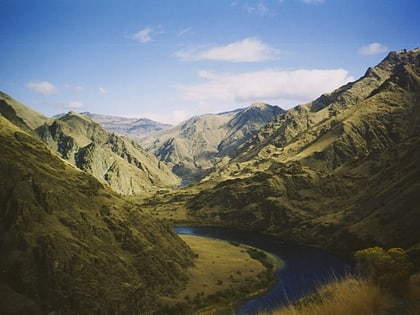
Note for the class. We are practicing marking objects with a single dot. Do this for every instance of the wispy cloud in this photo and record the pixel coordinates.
(246, 50)
(42, 87)
(313, 1)
(275, 86)
(103, 91)
(144, 35)
(184, 31)
(258, 9)
(372, 49)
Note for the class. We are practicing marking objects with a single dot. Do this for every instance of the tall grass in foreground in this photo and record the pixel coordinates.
(349, 296)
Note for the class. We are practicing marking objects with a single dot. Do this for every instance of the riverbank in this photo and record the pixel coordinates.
(224, 275)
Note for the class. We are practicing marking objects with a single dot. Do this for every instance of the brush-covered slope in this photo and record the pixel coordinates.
(341, 171)
(70, 245)
(195, 146)
(114, 160)
(134, 128)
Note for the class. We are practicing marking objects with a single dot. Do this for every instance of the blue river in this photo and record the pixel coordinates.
(306, 268)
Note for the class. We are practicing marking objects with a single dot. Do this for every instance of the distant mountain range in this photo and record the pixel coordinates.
(135, 128)
(194, 147)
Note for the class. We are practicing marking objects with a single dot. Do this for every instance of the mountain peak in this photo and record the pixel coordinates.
(260, 105)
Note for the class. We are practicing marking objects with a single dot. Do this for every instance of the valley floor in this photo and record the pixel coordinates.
(224, 274)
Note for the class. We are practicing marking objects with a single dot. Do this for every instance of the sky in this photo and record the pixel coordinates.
(169, 60)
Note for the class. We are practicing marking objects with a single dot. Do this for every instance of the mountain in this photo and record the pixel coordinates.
(195, 146)
(341, 172)
(70, 245)
(114, 160)
(134, 128)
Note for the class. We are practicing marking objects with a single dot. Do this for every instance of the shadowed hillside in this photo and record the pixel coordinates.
(69, 245)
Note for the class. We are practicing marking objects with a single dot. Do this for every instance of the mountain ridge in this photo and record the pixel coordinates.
(134, 128)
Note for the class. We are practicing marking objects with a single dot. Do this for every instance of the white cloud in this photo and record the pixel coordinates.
(144, 35)
(103, 91)
(285, 88)
(246, 50)
(372, 49)
(42, 87)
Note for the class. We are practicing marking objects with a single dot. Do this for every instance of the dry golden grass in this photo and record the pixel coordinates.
(223, 274)
(347, 297)
(354, 297)
(218, 266)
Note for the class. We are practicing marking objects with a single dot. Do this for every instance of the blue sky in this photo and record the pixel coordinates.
(171, 59)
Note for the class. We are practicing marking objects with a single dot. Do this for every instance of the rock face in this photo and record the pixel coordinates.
(70, 245)
(341, 171)
(195, 146)
(114, 160)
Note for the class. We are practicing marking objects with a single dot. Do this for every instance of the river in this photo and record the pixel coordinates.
(305, 267)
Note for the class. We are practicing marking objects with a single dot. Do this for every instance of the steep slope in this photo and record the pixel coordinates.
(195, 146)
(69, 245)
(342, 171)
(114, 160)
(134, 128)
(19, 114)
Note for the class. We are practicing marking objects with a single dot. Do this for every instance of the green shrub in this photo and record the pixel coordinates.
(389, 269)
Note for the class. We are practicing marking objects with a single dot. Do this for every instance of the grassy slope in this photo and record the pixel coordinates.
(353, 296)
(70, 245)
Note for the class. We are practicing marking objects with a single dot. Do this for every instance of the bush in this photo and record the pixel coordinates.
(389, 269)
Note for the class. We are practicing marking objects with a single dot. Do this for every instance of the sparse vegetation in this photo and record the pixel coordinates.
(389, 269)
(350, 296)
